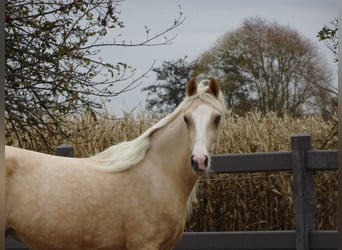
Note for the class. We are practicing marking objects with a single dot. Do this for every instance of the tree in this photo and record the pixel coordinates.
(268, 66)
(169, 89)
(328, 34)
(53, 68)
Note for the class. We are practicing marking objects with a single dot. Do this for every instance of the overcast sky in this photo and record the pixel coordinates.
(205, 22)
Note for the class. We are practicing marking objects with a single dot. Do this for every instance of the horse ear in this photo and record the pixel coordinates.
(214, 87)
(191, 87)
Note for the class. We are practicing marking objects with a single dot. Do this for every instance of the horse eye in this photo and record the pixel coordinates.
(217, 120)
(186, 120)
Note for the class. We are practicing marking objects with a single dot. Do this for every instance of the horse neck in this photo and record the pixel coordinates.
(170, 148)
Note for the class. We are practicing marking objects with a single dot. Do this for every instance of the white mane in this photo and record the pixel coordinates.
(122, 156)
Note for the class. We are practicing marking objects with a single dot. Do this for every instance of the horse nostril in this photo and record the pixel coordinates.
(192, 161)
(206, 161)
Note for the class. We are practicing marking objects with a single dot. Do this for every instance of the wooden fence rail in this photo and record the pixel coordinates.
(302, 161)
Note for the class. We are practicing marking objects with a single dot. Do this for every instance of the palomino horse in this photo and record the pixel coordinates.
(133, 195)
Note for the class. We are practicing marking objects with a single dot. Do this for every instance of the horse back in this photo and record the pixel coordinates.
(12, 159)
(17, 159)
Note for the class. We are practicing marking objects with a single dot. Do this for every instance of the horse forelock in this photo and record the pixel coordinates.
(123, 156)
(205, 96)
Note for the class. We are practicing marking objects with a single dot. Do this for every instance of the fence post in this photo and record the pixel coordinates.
(303, 191)
(64, 150)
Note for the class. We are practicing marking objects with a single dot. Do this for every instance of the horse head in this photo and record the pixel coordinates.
(202, 119)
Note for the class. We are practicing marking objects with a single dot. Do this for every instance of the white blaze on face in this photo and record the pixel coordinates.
(201, 118)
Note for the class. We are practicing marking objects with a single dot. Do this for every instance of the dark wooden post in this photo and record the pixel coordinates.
(303, 191)
(64, 150)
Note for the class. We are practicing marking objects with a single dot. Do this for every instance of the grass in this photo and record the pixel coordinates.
(228, 202)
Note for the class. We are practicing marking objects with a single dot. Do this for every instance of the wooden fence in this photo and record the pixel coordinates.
(303, 162)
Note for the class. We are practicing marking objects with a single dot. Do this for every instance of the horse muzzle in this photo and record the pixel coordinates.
(200, 163)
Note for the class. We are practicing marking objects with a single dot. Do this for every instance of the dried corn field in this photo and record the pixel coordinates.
(227, 202)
